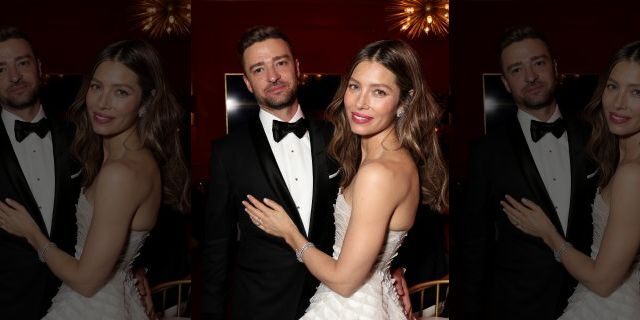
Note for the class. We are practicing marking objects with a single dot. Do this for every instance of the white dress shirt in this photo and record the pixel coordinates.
(551, 156)
(293, 156)
(35, 156)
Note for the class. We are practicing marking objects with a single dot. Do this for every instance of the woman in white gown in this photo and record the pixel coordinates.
(609, 285)
(386, 143)
(128, 143)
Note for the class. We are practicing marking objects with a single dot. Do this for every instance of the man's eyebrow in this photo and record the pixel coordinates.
(261, 63)
(542, 56)
(25, 56)
(281, 57)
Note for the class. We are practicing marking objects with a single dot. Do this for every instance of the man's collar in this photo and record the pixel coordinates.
(6, 114)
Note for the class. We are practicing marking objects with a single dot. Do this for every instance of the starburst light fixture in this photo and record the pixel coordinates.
(420, 17)
(161, 18)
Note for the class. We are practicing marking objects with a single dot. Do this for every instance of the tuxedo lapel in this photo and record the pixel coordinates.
(531, 174)
(61, 170)
(15, 177)
(272, 172)
(320, 174)
(578, 170)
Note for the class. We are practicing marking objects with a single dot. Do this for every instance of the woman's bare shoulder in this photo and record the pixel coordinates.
(624, 187)
(386, 175)
(138, 171)
(627, 175)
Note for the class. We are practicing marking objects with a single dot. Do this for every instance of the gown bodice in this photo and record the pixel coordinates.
(376, 298)
(118, 298)
(624, 302)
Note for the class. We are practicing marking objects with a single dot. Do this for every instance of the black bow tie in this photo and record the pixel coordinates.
(23, 129)
(281, 129)
(539, 129)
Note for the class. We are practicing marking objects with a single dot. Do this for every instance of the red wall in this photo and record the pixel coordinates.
(326, 35)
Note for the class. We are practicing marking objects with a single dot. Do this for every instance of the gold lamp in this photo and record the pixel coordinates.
(161, 18)
(420, 17)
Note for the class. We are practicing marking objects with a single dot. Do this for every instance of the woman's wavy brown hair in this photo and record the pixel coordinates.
(603, 145)
(158, 129)
(416, 128)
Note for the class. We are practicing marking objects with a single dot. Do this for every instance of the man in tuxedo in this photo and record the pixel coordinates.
(36, 170)
(280, 156)
(539, 155)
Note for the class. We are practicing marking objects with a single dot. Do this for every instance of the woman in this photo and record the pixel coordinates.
(610, 279)
(386, 144)
(127, 140)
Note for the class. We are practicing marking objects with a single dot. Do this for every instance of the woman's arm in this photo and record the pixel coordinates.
(621, 239)
(377, 191)
(118, 193)
(620, 242)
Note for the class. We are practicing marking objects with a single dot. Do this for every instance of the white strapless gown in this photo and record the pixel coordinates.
(624, 302)
(118, 299)
(376, 299)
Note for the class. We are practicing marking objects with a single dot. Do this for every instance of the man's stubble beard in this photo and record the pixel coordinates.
(29, 102)
(543, 103)
(275, 105)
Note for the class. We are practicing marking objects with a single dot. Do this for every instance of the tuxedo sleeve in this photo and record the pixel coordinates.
(219, 237)
(476, 233)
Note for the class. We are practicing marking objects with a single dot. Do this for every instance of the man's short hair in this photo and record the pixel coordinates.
(10, 32)
(258, 34)
(517, 34)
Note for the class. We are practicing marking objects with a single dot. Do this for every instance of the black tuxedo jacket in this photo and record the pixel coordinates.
(26, 284)
(503, 272)
(264, 281)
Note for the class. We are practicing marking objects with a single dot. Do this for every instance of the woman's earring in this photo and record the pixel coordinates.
(400, 112)
(141, 112)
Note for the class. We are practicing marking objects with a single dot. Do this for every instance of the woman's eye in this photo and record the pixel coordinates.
(380, 93)
(122, 93)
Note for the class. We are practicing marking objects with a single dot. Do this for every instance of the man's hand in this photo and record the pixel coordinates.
(403, 291)
(142, 285)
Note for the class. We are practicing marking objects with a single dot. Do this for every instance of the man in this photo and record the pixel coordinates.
(504, 273)
(292, 169)
(36, 170)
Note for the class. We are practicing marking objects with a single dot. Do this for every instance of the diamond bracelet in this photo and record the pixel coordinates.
(42, 252)
(558, 253)
(304, 248)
